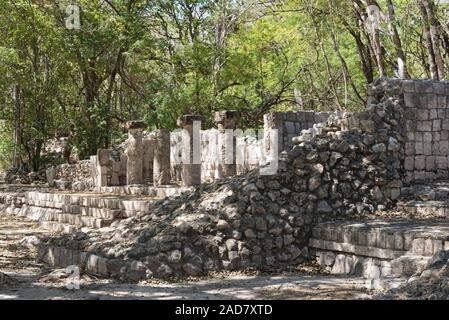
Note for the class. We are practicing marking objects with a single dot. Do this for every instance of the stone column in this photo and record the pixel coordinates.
(99, 165)
(161, 165)
(273, 121)
(191, 150)
(134, 152)
(226, 123)
(148, 158)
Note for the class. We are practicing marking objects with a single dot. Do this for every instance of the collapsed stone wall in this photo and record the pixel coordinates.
(290, 124)
(430, 284)
(349, 165)
(71, 176)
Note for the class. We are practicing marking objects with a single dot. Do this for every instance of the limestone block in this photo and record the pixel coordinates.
(420, 162)
(424, 125)
(441, 162)
(408, 86)
(390, 241)
(428, 247)
(437, 246)
(433, 114)
(419, 136)
(445, 124)
(443, 148)
(428, 149)
(418, 246)
(290, 127)
(409, 163)
(422, 114)
(103, 156)
(446, 245)
(411, 100)
(410, 148)
(444, 135)
(436, 136)
(442, 101)
(427, 137)
(432, 101)
(424, 86)
(430, 163)
(436, 126)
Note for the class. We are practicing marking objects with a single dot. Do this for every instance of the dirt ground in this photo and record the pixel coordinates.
(24, 278)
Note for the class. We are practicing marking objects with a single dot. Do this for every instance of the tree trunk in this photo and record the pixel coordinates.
(397, 42)
(429, 41)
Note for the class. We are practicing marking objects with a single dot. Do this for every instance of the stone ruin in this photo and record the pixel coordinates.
(155, 158)
(334, 198)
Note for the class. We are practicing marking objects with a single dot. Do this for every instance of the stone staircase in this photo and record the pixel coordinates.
(430, 200)
(396, 246)
(68, 212)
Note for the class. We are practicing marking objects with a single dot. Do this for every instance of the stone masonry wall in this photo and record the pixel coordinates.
(427, 125)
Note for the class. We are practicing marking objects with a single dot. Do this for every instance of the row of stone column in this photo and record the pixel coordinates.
(139, 155)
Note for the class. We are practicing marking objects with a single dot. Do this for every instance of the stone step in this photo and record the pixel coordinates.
(369, 267)
(358, 250)
(431, 191)
(422, 237)
(130, 270)
(77, 220)
(380, 247)
(157, 192)
(93, 212)
(58, 227)
(425, 209)
(60, 201)
(53, 200)
(408, 264)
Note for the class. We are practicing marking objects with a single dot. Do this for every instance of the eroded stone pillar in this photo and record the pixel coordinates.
(134, 152)
(148, 158)
(99, 165)
(273, 142)
(191, 149)
(161, 165)
(227, 122)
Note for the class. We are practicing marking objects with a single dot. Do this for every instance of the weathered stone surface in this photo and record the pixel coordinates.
(161, 166)
(134, 153)
(349, 165)
(191, 166)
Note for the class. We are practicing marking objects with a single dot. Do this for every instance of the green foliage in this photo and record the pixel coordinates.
(156, 60)
(6, 145)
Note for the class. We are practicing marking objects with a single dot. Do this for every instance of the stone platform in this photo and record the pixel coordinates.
(158, 192)
(378, 248)
(70, 211)
(430, 200)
